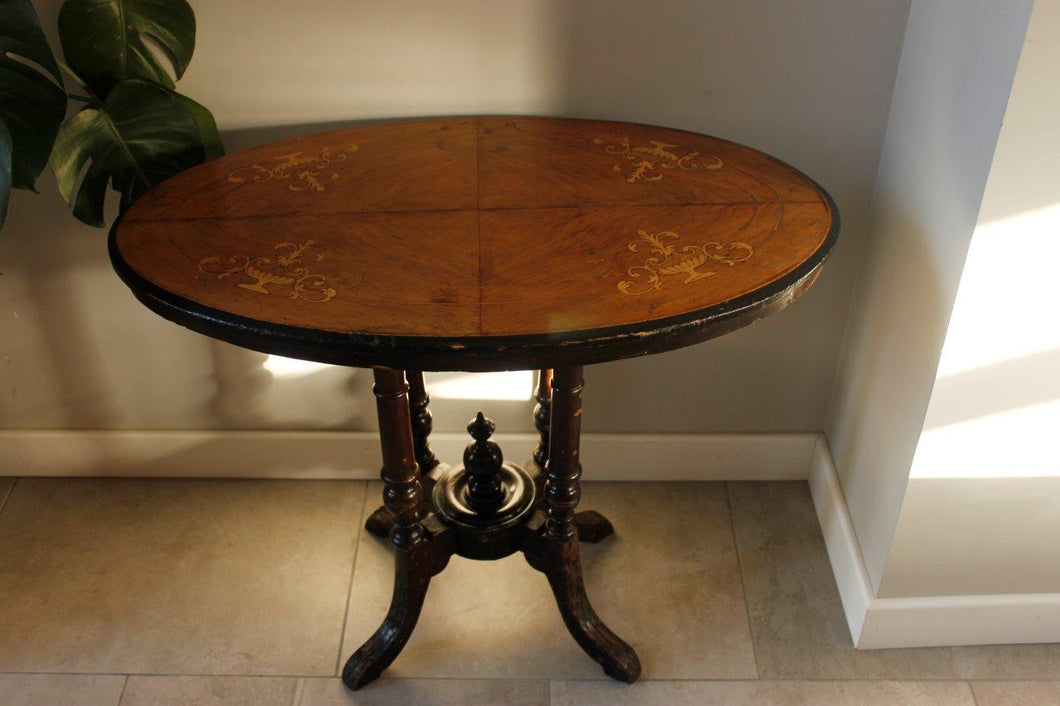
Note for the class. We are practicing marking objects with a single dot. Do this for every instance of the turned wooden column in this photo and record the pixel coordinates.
(417, 558)
(543, 415)
(380, 522)
(557, 551)
(422, 422)
(402, 493)
(564, 468)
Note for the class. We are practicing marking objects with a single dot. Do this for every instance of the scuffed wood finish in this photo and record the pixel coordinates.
(402, 492)
(477, 243)
(422, 422)
(555, 551)
(542, 418)
(419, 553)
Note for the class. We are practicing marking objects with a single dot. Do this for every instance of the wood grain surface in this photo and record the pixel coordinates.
(477, 243)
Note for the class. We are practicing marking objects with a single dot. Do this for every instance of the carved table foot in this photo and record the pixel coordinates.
(554, 548)
(422, 544)
(561, 563)
(411, 578)
(413, 569)
(592, 526)
(380, 522)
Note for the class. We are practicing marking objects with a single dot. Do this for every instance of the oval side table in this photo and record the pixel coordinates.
(478, 244)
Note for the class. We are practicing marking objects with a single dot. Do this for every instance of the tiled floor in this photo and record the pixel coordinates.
(253, 592)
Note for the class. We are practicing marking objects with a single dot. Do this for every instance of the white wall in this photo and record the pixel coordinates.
(953, 83)
(982, 511)
(808, 81)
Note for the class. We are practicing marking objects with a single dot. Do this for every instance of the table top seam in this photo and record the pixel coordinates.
(478, 216)
(560, 207)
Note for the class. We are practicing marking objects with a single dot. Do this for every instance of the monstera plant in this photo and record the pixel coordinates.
(131, 129)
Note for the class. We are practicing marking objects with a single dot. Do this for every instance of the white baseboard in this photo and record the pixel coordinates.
(932, 621)
(927, 621)
(848, 565)
(295, 454)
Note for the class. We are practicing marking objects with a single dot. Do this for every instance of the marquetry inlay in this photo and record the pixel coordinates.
(646, 163)
(302, 171)
(286, 272)
(669, 258)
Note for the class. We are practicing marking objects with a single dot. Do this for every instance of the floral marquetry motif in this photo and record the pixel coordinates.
(302, 171)
(286, 271)
(668, 258)
(645, 163)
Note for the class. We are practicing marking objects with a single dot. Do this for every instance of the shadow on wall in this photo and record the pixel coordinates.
(750, 70)
(74, 354)
(906, 278)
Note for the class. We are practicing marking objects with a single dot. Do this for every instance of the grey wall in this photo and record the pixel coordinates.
(956, 71)
(807, 81)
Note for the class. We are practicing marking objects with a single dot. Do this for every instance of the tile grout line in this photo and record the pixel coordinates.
(7, 496)
(743, 585)
(770, 680)
(748, 680)
(299, 691)
(121, 695)
(349, 583)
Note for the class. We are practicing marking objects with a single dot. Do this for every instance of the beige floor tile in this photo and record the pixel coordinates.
(667, 582)
(1017, 693)
(1008, 661)
(53, 689)
(176, 576)
(425, 692)
(209, 691)
(762, 693)
(797, 620)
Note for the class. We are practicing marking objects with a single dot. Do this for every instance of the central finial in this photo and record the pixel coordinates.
(482, 460)
(481, 428)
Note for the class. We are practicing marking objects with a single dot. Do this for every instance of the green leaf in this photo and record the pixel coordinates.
(73, 77)
(208, 133)
(105, 41)
(32, 102)
(141, 135)
(5, 172)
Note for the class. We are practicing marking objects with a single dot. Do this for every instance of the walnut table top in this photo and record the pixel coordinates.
(477, 243)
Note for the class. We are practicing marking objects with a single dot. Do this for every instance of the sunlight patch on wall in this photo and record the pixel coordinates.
(289, 368)
(1005, 303)
(1018, 443)
(513, 385)
(995, 409)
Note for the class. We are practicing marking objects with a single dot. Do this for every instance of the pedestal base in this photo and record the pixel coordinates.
(558, 560)
(592, 526)
(485, 510)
